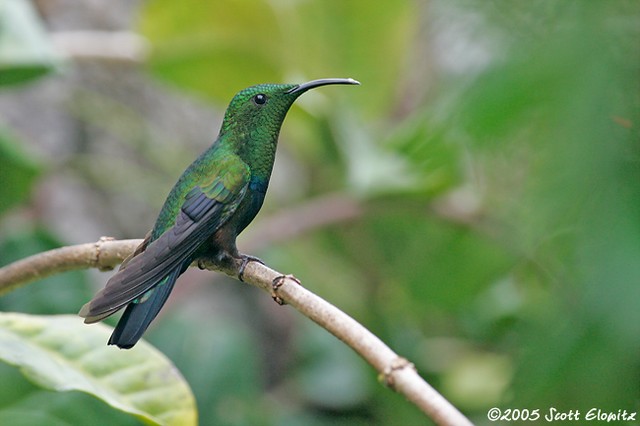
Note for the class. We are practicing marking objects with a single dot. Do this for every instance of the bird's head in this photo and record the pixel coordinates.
(258, 111)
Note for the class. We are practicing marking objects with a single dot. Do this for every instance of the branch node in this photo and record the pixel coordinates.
(96, 256)
(277, 283)
(398, 363)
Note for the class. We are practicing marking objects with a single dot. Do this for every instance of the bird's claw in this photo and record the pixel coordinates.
(277, 283)
(245, 260)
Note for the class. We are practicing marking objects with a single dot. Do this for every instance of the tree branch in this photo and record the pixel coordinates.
(104, 254)
(394, 371)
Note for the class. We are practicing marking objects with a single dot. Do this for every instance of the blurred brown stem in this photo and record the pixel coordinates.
(119, 46)
(395, 371)
(302, 218)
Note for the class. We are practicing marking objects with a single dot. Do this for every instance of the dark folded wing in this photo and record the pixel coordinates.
(205, 209)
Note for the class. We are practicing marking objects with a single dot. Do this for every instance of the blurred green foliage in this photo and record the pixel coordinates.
(17, 173)
(25, 51)
(201, 46)
(499, 243)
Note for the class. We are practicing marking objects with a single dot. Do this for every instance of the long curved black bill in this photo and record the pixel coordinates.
(301, 88)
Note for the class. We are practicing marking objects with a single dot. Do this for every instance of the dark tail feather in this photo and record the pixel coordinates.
(138, 316)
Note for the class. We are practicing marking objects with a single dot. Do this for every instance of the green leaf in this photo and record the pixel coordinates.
(25, 51)
(61, 353)
(22, 403)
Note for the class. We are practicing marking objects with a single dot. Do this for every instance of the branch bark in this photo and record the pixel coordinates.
(394, 371)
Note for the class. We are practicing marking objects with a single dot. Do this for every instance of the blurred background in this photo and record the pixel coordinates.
(475, 202)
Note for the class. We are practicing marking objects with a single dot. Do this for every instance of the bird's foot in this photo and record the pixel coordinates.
(245, 260)
(277, 283)
(201, 264)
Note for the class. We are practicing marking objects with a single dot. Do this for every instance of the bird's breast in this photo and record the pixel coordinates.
(249, 207)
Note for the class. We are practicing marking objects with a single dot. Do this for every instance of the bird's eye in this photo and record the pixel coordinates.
(260, 99)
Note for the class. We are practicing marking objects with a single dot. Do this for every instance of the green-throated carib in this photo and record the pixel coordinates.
(216, 197)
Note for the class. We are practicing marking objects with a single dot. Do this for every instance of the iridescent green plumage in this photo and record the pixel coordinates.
(216, 197)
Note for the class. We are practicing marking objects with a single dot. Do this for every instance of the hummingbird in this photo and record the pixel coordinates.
(214, 200)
